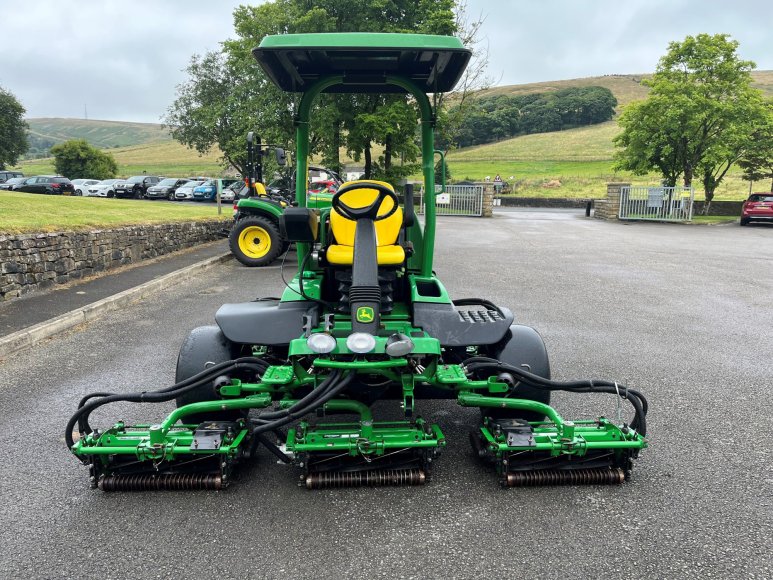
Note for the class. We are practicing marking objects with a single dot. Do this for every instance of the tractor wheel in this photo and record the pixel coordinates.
(523, 347)
(255, 241)
(203, 347)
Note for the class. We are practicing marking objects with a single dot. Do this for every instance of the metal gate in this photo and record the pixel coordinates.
(663, 204)
(466, 200)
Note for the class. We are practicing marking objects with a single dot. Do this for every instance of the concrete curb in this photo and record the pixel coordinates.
(30, 336)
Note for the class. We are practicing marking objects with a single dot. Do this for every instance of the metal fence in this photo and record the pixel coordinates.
(665, 204)
(464, 200)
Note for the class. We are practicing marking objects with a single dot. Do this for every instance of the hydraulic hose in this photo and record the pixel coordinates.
(85, 408)
(634, 397)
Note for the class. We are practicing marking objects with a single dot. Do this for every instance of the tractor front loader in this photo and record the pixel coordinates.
(364, 319)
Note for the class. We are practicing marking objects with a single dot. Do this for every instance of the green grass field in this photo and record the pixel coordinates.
(101, 134)
(28, 212)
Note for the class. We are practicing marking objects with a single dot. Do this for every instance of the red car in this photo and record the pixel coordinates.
(759, 207)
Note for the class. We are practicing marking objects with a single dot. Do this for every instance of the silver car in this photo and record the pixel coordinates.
(104, 188)
(82, 185)
(185, 191)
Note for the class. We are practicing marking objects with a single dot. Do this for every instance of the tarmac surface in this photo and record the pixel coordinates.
(680, 312)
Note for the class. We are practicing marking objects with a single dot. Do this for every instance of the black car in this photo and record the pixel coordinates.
(165, 188)
(48, 184)
(135, 186)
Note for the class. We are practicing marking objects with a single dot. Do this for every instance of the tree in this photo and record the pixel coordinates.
(228, 95)
(757, 161)
(13, 129)
(76, 158)
(699, 117)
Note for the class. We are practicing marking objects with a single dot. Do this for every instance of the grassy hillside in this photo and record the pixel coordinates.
(101, 134)
(168, 158)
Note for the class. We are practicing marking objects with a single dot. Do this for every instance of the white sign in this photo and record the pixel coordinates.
(443, 198)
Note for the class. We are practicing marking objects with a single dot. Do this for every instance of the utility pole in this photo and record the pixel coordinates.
(85, 112)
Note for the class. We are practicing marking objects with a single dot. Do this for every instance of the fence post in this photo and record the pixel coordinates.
(488, 200)
(609, 208)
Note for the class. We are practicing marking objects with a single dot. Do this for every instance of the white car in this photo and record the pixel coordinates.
(185, 191)
(82, 185)
(104, 188)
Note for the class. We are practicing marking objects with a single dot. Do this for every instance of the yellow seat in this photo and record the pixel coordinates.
(388, 253)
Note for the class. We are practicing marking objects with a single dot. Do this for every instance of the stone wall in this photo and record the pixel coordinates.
(30, 262)
(543, 202)
(718, 208)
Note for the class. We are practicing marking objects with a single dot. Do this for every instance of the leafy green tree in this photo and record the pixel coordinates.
(76, 158)
(228, 95)
(13, 129)
(699, 117)
(757, 161)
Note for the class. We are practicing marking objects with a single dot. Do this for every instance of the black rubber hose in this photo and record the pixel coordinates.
(261, 438)
(637, 400)
(177, 389)
(297, 413)
(85, 409)
(312, 396)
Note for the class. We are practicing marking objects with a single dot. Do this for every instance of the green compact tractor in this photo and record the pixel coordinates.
(364, 320)
(256, 239)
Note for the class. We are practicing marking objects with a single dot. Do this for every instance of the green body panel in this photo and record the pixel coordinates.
(255, 205)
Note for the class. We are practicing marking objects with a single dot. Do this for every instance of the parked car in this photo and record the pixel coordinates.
(185, 191)
(104, 188)
(207, 191)
(230, 192)
(759, 207)
(5, 175)
(135, 186)
(165, 188)
(12, 183)
(82, 185)
(48, 184)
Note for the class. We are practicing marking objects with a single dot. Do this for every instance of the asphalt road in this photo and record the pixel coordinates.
(681, 312)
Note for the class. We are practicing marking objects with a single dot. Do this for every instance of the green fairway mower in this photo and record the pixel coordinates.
(364, 319)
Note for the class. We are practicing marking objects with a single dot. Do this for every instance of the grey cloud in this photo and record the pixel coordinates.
(124, 58)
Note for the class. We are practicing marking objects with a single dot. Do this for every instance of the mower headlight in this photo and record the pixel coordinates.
(399, 345)
(321, 342)
(360, 342)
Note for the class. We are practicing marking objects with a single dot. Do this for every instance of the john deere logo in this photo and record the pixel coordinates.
(364, 314)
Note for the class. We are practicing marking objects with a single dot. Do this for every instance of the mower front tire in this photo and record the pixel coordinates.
(524, 348)
(203, 347)
(255, 241)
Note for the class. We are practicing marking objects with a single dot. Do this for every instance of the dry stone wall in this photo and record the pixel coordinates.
(30, 262)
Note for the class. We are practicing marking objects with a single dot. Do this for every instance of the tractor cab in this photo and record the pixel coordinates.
(363, 320)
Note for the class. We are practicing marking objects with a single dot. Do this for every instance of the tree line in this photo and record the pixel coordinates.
(497, 117)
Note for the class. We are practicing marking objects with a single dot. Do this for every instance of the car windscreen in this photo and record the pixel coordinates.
(136, 179)
(167, 182)
(209, 182)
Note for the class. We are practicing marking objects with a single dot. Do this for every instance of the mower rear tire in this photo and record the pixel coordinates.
(523, 347)
(255, 241)
(204, 346)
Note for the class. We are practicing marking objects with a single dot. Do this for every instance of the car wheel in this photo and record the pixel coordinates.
(110, 194)
(170, 197)
(255, 241)
(78, 192)
(744, 221)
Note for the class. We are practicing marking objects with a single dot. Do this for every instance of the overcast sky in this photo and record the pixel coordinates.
(122, 59)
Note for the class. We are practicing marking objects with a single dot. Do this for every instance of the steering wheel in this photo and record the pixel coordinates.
(369, 211)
